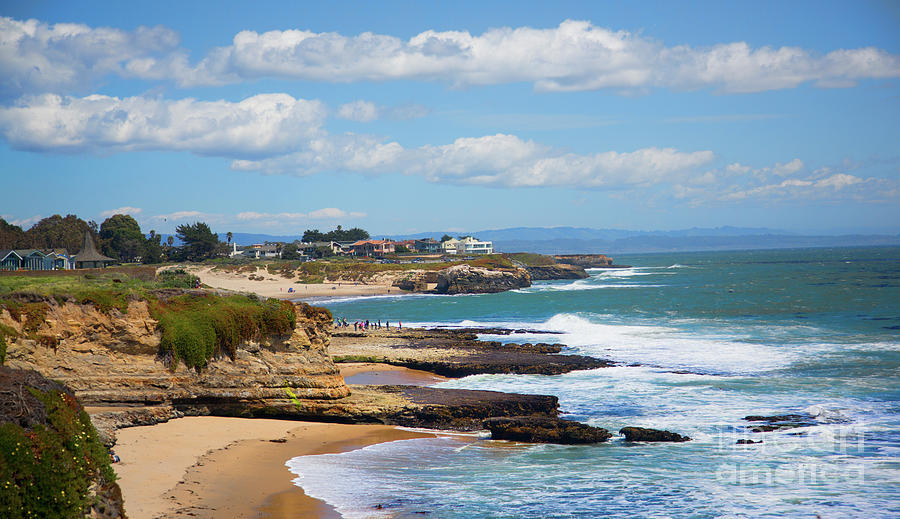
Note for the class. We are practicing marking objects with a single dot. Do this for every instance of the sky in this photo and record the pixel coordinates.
(403, 117)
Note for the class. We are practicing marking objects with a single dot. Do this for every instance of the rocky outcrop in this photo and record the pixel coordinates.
(641, 434)
(585, 260)
(52, 463)
(456, 353)
(418, 281)
(557, 271)
(466, 279)
(111, 359)
(779, 422)
(541, 429)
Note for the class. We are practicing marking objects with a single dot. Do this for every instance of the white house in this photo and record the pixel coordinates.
(449, 246)
(470, 245)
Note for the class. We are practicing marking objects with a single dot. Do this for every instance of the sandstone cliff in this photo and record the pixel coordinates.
(466, 279)
(111, 359)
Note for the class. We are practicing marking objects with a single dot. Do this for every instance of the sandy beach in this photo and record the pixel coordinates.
(276, 286)
(230, 467)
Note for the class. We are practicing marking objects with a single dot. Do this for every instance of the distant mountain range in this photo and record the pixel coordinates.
(573, 240)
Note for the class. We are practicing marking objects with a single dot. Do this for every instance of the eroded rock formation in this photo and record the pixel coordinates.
(642, 434)
(466, 279)
(542, 429)
(557, 271)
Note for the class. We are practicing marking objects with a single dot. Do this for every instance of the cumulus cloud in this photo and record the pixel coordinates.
(24, 223)
(327, 213)
(784, 182)
(574, 56)
(122, 210)
(362, 111)
(262, 124)
(62, 57)
(496, 160)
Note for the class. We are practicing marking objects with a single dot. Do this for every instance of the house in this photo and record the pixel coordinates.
(449, 246)
(470, 245)
(10, 260)
(409, 244)
(310, 248)
(89, 258)
(373, 247)
(427, 246)
(258, 250)
(60, 259)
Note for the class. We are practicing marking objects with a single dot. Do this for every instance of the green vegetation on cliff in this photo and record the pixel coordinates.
(196, 328)
(50, 454)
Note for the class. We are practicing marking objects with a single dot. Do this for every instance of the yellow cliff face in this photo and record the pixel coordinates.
(112, 359)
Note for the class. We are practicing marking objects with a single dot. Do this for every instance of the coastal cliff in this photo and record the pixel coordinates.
(113, 359)
(556, 271)
(466, 279)
(585, 260)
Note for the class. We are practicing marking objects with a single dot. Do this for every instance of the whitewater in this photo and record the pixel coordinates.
(701, 340)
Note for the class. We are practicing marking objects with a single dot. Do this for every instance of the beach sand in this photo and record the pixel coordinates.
(276, 286)
(376, 374)
(209, 466)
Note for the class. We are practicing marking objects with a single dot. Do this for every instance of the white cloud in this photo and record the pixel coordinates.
(24, 223)
(574, 56)
(790, 168)
(362, 111)
(500, 160)
(262, 124)
(327, 213)
(121, 210)
(39, 57)
(183, 215)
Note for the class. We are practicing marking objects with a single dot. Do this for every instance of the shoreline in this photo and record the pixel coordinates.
(208, 466)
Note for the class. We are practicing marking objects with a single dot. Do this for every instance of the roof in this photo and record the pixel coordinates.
(5, 254)
(373, 242)
(28, 252)
(89, 250)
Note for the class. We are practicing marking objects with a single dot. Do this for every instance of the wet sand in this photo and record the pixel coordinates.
(230, 467)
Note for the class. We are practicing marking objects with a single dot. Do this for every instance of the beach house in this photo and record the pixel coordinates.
(470, 245)
(89, 258)
(427, 246)
(373, 247)
(449, 246)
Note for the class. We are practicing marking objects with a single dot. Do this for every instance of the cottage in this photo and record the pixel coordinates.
(449, 246)
(10, 260)
(263, 251)
(427, 246)
(373, 247)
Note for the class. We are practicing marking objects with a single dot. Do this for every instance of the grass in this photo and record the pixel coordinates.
(197, 328)
(530, 259)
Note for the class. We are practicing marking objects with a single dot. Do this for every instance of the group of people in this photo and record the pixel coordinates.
(366, 325)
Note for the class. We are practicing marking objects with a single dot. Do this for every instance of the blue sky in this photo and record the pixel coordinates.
(402, 117)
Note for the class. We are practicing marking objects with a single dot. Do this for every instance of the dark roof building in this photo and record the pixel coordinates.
(89, 258)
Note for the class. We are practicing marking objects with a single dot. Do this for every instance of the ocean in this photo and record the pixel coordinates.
(701, 340)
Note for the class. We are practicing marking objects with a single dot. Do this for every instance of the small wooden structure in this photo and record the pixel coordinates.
(89, 258)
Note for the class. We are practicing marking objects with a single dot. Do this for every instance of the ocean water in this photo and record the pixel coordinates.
(702, 340)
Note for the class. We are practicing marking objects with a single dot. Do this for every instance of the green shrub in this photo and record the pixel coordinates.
(46, 469)
(196, 328)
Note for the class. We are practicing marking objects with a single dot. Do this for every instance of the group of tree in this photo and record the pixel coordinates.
(119, 237)
(339, 234)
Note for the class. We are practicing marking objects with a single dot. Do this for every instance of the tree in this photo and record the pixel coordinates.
(401, 248)
(121, 237)
(313, 235)
(153, 251)
(11, 236)
(170, 240)
(58, 232)
(229, 236)
(446, 237)
(199, 241)
(289, 252)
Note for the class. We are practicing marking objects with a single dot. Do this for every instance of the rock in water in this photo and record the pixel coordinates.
(538, 429)
(641, 434)
(466, 279)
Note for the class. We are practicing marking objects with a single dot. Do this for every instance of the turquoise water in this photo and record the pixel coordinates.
(702, 339)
